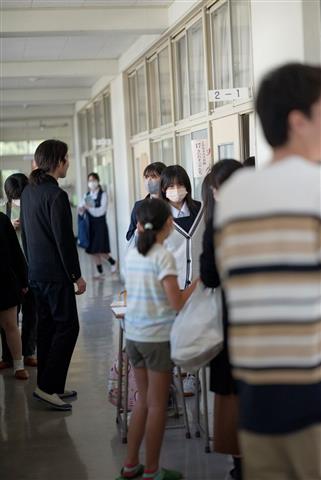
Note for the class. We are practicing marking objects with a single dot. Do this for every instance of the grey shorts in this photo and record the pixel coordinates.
(153, 356)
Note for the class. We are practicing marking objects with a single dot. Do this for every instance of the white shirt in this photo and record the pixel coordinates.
(183, 212)
(149, 316)
(89, 199)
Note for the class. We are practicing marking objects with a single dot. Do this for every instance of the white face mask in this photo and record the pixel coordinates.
(152, 185)
(176, 194)
(16, 202)
(93, 185)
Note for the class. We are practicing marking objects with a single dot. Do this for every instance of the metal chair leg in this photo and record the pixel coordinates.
(181, 391)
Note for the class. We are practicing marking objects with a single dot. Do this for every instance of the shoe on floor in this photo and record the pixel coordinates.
(68, 394)
(4, 365)
(189, 385)
(114, 268)
(165, 474)
(30, 362)
(21, 374)
(52, 400)
(137, 473)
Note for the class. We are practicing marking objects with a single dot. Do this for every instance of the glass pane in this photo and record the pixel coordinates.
(221, 48)
(165, 87)
(196, 68)
(141, 90)
(132, 104)
(182, 78)
(107, 110)
(225, 151)
(185, 154)
(99, 119)
(83, 132)
(156, 152)
(90, 133)
(241, 42)
(154, 94)
(168, 151)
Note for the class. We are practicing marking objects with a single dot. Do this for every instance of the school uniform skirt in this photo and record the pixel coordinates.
(10, 295)
(98, 235)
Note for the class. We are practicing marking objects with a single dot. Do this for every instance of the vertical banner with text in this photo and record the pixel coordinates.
(201, 154)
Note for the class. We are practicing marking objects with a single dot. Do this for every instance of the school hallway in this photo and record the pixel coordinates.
(37, 443)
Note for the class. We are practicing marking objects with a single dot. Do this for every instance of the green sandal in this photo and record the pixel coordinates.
(139, 473)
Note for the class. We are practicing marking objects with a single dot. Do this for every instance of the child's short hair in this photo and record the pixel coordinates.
(152, 215)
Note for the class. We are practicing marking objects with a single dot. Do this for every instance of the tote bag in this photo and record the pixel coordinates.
(83, 230)
(197, 333)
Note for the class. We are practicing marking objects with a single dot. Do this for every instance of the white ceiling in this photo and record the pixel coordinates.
(74, 47)
(45, 58)
(82, 3)
(47, 82)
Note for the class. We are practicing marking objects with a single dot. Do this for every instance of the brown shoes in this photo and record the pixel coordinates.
(21, 374)
(30, 362)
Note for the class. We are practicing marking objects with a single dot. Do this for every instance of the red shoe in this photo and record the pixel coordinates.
(4, 365)
(30, 362)
(21, 374)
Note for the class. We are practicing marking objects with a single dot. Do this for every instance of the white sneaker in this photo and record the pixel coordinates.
(114, 268)
(53, 400)
(189, 385)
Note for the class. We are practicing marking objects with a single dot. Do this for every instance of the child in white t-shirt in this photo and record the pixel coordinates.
(153, 298)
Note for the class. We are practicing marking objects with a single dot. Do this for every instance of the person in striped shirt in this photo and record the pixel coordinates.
(268, 252)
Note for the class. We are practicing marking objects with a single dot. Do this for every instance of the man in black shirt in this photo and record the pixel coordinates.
(53, 263)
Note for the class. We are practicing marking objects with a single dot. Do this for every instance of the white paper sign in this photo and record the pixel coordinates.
(228, 94)
(201, 155)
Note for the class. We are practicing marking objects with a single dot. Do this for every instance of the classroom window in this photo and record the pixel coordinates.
(231, 45)
(190, 73)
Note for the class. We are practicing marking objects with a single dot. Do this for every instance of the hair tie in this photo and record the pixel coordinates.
(148, 226)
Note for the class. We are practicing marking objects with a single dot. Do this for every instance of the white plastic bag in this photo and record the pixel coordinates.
(197, 333)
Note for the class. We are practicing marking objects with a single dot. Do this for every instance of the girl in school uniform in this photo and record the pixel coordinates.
(13, 284)
(185, 241)
(153, 298)
(95, 204)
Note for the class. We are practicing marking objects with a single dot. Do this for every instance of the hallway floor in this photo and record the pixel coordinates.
(40, 444)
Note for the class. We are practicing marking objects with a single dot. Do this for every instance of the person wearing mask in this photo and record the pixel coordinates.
(221, 381)
(152, 174)
(13, 284)
(13, 187)
(267, 240)
(95, 205)
(54, 271)
(185, 241)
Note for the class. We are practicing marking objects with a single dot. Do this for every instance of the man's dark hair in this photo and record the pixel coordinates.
(14, 186)
(47, 156)
(291, 87)
(155, 167)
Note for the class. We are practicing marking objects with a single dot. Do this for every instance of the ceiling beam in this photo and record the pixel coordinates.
(57, 68)
(60, 21)
(37, 111)
(36, 96)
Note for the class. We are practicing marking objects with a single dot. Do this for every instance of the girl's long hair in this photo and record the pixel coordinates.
(152, 215)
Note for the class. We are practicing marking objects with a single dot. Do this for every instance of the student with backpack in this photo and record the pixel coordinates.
(153, 298)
